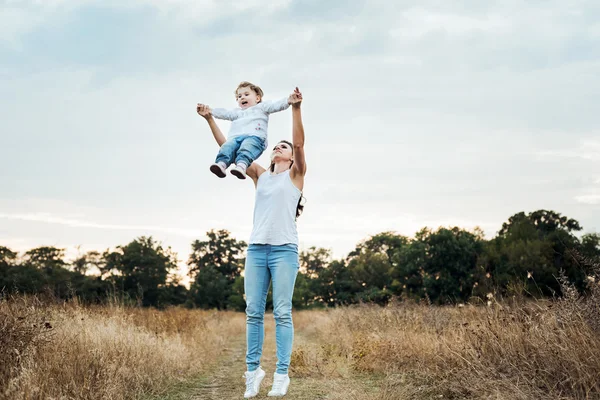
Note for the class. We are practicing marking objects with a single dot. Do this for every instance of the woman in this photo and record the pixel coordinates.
(273, 249)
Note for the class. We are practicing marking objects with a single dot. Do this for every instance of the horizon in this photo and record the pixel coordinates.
(182, 267)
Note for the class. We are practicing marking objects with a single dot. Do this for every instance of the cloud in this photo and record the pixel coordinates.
(588, 199)
(418, 22)
(21, 17)
(16, 22)
(588, 149)
(76, 223)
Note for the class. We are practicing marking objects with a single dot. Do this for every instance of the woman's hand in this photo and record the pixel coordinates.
(204, 111)
(295, 98)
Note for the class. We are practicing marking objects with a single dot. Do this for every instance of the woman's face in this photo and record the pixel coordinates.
(282, 152)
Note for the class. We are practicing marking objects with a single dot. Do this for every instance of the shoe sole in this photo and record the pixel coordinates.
(279, 395)
(276, 395)
(215, 169)
(238, 174)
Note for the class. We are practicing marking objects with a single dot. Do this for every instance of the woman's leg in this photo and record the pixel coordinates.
(283, 263)
(256, 285)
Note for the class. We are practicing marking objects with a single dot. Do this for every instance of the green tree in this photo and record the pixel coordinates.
(451, 260)
(215, 264)
(590, 246)
(371, 265)
(542, 222)
(19, 278)
(387, 243)
(409, 267)
(141, 269)
(314, 260)
(43, 271)
(46, 258)
(439, 264)
(371, 270)
(303, 296)
(84, 262)
(530, 251)
(210, 289)
(236, 300)
(24, 279)
(7, 260)
(54, 275)
(313, 263)
(7, 257)
(336, 285)
(220, 251)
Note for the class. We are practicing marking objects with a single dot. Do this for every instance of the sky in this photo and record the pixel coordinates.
(416, 113)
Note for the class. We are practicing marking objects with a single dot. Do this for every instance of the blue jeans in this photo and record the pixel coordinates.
(238, 149)
(265, 264)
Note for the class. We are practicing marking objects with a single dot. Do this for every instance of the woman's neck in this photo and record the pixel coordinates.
(281, 166)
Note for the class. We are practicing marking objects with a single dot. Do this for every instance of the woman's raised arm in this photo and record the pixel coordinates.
(299, 166)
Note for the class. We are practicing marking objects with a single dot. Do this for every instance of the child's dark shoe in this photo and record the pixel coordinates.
(219, 169)
(239, 171)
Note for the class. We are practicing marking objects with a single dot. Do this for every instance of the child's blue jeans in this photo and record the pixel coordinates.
(245, 149)
(266, 264)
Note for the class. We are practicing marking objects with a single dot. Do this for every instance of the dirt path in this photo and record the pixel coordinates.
(226, 380)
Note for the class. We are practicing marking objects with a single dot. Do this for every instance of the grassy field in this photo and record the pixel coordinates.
(518, 350)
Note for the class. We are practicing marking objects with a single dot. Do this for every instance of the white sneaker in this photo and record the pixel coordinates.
(239, 170)
(219, 169)
(253, 381)
(281, 382)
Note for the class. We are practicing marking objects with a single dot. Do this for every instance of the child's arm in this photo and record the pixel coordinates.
(275, 106)
(222, 113)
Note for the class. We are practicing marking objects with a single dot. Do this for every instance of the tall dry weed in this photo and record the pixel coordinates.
(23, 327)
(119, 352)
(544, 349)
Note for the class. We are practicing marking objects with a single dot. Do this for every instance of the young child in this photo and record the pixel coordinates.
(247, 137)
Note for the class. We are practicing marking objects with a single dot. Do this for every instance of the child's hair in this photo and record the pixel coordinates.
(252, 86)
(302, 199)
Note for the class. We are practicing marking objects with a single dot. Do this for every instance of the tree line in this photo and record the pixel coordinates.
(447, 265)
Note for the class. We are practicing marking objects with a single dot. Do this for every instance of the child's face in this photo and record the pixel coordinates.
(247, 97)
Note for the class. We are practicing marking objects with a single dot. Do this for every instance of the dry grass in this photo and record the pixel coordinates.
(506, 350)
(535, 350)
(23, 327)
(106, 352)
